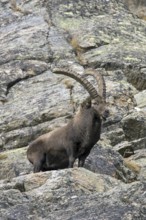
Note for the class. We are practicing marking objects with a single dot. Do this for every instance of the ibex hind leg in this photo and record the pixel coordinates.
(71, 157)
(39, 162)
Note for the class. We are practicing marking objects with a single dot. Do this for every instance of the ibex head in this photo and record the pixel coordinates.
(98, 101)
(99, 104)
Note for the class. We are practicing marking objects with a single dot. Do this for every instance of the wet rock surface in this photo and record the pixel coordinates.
(108, 36)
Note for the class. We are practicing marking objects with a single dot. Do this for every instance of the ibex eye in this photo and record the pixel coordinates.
(94, 103)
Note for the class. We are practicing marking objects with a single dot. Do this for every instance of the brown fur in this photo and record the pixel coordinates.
(61, 147)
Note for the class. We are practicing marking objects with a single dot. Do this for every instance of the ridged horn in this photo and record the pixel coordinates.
(84, 82)
(100, 81)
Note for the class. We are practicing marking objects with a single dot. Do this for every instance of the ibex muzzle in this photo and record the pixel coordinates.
(60, 148)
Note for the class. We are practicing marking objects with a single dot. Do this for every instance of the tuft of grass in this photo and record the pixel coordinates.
(132, 165)
(78, 50)
(16, 8)
(68, 83)
(3, 156)
(143, 17)
(75, 44)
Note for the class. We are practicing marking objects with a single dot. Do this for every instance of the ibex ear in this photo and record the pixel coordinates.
(86, 103)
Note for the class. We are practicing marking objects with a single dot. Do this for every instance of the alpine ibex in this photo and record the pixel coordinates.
(60, 148)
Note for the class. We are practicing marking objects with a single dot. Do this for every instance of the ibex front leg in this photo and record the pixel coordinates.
(82, 159)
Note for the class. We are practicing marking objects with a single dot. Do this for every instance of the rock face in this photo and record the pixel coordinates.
(108, 36)
(137, 7)
(71, 194)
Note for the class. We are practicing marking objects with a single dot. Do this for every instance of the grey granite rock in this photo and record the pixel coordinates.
(106, 35)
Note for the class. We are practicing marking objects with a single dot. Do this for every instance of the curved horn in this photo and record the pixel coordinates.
(100, 81)
(84, 82)
(101, 89)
